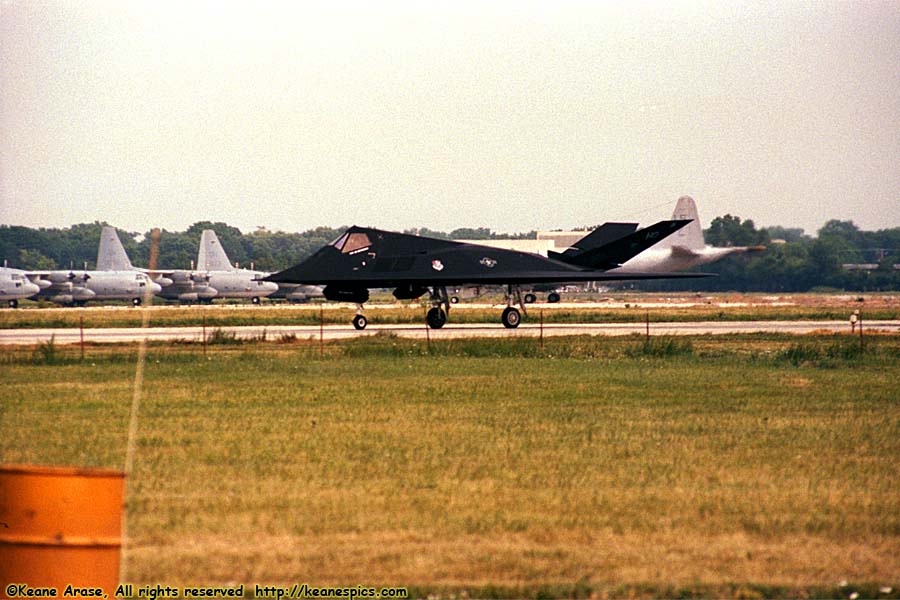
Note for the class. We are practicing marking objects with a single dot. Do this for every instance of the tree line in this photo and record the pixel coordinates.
(793, 261)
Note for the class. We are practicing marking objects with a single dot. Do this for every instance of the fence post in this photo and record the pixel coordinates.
(860, 332)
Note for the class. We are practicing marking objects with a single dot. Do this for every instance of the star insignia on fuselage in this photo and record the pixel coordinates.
(437, 265)
(488, 262)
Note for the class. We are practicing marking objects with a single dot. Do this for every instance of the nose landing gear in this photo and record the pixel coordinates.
(436, 316)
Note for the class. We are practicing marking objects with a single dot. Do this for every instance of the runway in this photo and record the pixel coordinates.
(450, 331)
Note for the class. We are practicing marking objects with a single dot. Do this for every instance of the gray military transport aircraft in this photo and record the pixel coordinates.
(113, 279)
(15, 286)
(215, 277)
(363, 258)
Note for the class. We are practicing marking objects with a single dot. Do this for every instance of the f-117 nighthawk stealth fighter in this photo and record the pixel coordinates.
(363, 258)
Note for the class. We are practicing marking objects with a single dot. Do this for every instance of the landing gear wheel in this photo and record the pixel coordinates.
(511, 317)
(255, 299)
(454, 299)
(436, 317)
(529, 298)
(360, 321)
(553, 297)
(14, 303)
(136, 301)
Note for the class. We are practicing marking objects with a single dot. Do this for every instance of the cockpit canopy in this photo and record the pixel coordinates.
(350, 243)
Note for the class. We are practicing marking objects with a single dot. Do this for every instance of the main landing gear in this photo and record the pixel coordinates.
(436, 317)
(511, 316)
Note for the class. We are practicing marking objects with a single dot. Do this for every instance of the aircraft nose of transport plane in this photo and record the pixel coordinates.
(270, 287)
(155, 288)
(31, 288)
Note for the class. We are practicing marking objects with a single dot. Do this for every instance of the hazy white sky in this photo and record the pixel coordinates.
(508, 115)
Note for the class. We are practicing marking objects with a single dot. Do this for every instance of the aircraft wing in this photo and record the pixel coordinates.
(57, 279)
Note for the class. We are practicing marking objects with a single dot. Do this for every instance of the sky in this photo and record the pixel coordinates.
(508, 115)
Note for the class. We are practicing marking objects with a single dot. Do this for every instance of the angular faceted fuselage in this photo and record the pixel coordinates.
(365, 258)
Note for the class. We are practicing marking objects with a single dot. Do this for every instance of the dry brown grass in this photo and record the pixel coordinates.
(679, 558)
(382, 464)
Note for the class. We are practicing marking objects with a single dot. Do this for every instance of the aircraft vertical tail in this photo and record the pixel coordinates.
(605, 234)
(690, 236)
(212, 255)
(111, 255)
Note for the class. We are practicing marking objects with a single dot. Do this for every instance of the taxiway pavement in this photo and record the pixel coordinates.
(450, 331)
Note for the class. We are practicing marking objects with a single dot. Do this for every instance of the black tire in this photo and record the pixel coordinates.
(511, 317)
(454, 299)
(436, 317)
(255, 299)
(136, 301)
(553, 297)
(14, 303)
(360, 322)
(529, 298)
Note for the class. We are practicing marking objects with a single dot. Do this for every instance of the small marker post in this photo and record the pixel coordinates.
(542, 329)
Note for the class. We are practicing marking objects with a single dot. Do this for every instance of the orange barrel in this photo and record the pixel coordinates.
(60, 526)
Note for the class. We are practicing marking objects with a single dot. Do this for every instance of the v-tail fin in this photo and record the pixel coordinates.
(619, 251)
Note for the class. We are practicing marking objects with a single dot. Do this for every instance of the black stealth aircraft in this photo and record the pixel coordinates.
(363, 258)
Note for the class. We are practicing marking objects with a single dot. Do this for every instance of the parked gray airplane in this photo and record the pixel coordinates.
(15, 286)
(114, 278)
(295, 292)
(683, 249)
(215, 277)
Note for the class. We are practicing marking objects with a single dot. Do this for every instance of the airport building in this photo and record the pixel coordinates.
(546, 241)
(533, 246)
(562, 239)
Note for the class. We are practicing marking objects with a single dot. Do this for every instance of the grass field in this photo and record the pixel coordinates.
(606, 308)
(739, 466)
